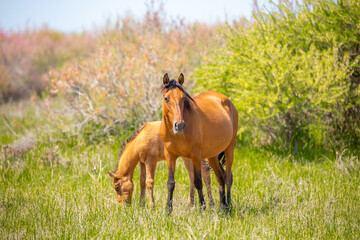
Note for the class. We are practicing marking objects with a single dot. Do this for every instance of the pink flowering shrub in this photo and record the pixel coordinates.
(119, 85)
(26, 57)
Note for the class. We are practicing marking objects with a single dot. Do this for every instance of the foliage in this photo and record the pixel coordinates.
(293, 74)
(26, 57)
(118, 87)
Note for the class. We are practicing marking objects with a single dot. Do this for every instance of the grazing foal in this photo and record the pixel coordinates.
(147, 148)
(198, 128)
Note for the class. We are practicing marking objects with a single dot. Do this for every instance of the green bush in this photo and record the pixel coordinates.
(293, 75)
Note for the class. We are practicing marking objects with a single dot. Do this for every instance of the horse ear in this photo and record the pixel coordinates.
(166, 79)
(181, 79)
(113, 174)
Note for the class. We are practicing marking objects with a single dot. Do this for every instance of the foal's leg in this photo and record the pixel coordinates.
(190, 170)
(142, 183)
(205, 172)
(220, 177)
(198, 181)
(150, 176)
(171, 163)
(229, 158)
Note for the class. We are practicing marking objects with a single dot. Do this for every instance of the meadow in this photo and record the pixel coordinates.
(296, 166)
(62, 190)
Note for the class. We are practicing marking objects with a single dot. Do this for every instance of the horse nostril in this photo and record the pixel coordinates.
(179, 126)
(182, 126)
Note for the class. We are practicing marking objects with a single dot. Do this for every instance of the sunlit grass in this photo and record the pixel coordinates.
(62, 191)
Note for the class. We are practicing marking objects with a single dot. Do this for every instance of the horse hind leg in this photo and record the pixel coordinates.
(142, 184)
(190, 170)
(220, 177)
(229, 158)
(205, 172)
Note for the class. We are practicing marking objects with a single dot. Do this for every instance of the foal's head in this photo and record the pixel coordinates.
(175, 101)
(123, 188)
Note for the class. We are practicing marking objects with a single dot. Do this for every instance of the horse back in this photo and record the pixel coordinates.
(149, 143)
(218, 120)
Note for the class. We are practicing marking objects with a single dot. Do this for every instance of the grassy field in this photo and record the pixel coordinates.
(60, 189)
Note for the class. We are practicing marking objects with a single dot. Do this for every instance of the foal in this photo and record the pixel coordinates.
(147, 148)
(198, 128)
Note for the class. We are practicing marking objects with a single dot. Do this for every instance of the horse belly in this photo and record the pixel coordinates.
(216, 139)
(217, 126)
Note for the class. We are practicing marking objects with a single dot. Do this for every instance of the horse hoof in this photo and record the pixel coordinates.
(142, 203)
(169, 209)
(223, 207)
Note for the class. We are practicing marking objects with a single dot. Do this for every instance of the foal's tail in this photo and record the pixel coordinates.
(222, 159)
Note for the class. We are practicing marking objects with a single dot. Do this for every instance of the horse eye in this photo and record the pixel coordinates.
(166, 99)
(117, 188)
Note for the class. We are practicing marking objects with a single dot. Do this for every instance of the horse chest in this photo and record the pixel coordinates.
(181, 147)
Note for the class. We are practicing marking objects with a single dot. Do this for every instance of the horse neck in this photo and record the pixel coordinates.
(128, 161)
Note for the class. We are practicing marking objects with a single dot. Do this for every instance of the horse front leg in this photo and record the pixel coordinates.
(142, 184)
(190, 170)
(171, 163)
(198, 181)
(150, 176)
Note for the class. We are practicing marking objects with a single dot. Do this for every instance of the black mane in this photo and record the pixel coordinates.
(174, 84)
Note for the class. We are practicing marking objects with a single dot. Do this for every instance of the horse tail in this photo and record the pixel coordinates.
(222, 159)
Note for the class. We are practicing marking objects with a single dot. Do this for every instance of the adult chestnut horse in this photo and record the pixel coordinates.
(197, 128)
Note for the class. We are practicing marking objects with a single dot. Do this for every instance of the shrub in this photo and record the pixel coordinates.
(26, 57)
(119, 85)
(293, 74)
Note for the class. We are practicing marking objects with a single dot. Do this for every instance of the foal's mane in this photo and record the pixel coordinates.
(130, 139)
(174, 84)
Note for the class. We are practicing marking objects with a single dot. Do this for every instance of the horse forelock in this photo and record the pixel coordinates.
(174, 84)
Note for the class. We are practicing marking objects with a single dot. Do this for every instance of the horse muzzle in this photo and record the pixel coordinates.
(179, 126)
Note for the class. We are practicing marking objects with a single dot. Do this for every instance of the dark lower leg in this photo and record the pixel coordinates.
(220, 177)
(229, 155)
(171, 163)
(228, 186)
(171, 187)
(199, 186)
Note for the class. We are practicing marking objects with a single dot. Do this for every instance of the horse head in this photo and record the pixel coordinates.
(175, 101)
(123, 188)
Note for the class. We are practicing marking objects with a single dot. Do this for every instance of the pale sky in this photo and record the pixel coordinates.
(78, 15)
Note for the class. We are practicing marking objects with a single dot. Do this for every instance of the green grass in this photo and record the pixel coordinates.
(61, 190)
